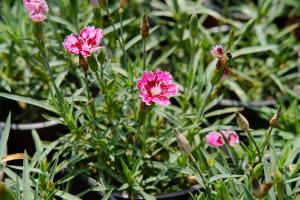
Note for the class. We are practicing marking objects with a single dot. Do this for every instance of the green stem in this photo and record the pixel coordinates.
(144, 54)
(205, 184)
(231, 151)
(203, 105)
(254, 143)
(265, 143)
(90, 99)
(119, 38)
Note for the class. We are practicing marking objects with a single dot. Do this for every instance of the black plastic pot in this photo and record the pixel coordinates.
(20, 136)
(83, 182)
(1, 172)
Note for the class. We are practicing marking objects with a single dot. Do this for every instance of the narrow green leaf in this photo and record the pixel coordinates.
(26, 179)
(28, 100)
(107, 195)
(37, 141)
(4, 136)
(253, 49)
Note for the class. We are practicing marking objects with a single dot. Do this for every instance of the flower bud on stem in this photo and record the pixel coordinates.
(260, 190)
(5, 193)
(184, 145)
(144, 31)
(273, 122)
(244, 125)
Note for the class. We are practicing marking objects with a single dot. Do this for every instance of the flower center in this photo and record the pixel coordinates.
(155, 90)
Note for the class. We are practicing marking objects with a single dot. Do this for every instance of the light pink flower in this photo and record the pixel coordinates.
(87, 42)
(94, 2)
(157, 87)
(217, 51)
(232, 137)
(215, 139)
(37, 9)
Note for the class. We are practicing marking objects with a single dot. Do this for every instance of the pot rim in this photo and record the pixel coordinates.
(30, 126)
(92, 182)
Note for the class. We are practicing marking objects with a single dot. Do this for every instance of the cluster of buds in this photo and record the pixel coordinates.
(223, 69)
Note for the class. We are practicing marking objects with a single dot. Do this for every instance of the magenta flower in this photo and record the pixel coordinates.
(232, 137)
(222, 65)
(37, 9)
(215, 139)
(217, 51)
(157, 87)
(87, 42)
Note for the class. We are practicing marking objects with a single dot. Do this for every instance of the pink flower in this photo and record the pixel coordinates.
(94, 2)
(215, 139)
(87, 42)
(217, 51)
(37, 9)
(157, 87)
(232, 137)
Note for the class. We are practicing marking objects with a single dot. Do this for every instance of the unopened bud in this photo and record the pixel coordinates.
(260, 190)
(144, 27)
(5, 193)
(194, 25)
(242, 121)
(258, 170)
(83, 63)
(211, 162)
(274, 119)
(277, 176)
(192, 180)
(50, 186)
(103, 3)
(123, 4)
(183, 143)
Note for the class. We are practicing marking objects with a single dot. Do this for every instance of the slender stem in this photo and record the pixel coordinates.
(144, 54)
(231, 151)
(90, 100)
(119, 38)
(205, 184)
(254, 143)
(265, 143)
(201, 111)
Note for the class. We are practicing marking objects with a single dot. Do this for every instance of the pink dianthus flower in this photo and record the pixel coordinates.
(217, 51)
(232, 137)
(215, 139)
(87, 42)
(157, 87)
(37, 9)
